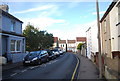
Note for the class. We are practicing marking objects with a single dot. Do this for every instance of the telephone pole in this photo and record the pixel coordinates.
(99, 40)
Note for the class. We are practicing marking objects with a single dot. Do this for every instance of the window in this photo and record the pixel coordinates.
(15, 45)
(119, 13)
(63, 45)
(18, 45)
(12, 26)
(105, 24)
(12, 45)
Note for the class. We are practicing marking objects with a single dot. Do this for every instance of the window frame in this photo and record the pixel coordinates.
(11, 46)
(12, 27)
(15, 46)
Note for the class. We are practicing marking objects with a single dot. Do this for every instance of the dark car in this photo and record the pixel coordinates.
(36, 57)
(51, 54)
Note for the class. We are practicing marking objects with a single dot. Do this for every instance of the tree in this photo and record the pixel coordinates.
(36, 40)
(79, 47)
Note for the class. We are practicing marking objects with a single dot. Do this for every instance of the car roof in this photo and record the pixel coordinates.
(35, 51)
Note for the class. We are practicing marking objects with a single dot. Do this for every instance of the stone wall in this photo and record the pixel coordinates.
(112, 68)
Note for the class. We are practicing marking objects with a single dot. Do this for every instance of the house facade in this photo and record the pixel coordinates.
(92, 40)
(12, 42)
(110, 40)
(62, 44)
(71, 45)
(83, 41)
(55, 44)
(110, 30)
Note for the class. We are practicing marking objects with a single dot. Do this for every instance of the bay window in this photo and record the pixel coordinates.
(12, 45)
(15, 45)
(18, 45)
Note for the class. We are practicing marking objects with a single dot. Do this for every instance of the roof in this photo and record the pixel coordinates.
(62, 41)
(9, 15)
(71, 41)
(55, 39)
(109, 9)
(80, 39)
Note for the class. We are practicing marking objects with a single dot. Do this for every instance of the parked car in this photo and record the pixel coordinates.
(61, 52)
(56, 52)
(36, 57)
(51, 54)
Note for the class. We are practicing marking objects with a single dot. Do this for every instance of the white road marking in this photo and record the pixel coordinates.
(24, 70)
(32, 67)
(13, 74)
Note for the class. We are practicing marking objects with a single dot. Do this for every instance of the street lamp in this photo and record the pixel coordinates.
(99, 40)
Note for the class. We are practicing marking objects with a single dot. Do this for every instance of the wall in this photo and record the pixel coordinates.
(6, 24)
(0, 21)
(92, 40)
(89, 43)
(106, 36)
(63, 48)
(112, 68)
(18, 57)
(114, 29)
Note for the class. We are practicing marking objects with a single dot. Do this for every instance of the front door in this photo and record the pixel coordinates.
(4, 46)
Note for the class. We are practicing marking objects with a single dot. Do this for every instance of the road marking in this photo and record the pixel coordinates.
(13, 74)
(32, 67)
(75, 70)
(24, 70)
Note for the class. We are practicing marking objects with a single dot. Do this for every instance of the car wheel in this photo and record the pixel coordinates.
(39, 62)
(47, 59)
(25, 64)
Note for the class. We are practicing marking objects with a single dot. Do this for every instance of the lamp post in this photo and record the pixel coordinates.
(99, 40)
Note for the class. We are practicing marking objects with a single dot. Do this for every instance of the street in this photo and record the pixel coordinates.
(63, 67)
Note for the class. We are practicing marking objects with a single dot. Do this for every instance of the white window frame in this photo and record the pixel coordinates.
(10, 46)
(16, 46)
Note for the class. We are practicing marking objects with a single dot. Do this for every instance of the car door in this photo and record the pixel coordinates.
(42, 55)
(46, 55)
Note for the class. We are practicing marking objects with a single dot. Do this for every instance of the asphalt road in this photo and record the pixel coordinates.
(63, 67)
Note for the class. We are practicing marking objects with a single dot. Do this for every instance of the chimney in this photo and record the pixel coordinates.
(4, 7)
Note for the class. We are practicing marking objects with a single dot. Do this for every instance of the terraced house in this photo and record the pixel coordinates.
(12, 42)
(110, 35)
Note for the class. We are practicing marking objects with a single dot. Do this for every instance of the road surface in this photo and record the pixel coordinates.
(63, 67)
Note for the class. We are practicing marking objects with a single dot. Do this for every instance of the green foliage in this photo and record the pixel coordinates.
(79, 47)
(36, 40)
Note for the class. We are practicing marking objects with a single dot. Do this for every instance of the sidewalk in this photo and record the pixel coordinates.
(87, 70)
(11, 66)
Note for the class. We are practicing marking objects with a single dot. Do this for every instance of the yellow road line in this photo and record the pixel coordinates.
(75, 70)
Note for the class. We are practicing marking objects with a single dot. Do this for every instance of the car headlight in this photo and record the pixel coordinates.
(34, 59)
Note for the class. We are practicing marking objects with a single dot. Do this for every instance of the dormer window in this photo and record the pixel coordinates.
(12, 26)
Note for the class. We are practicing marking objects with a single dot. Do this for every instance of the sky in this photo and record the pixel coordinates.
(66, 20)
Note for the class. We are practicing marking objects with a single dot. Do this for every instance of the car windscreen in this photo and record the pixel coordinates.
(32, 54)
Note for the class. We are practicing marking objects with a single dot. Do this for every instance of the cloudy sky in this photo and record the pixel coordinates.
(65, 20)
